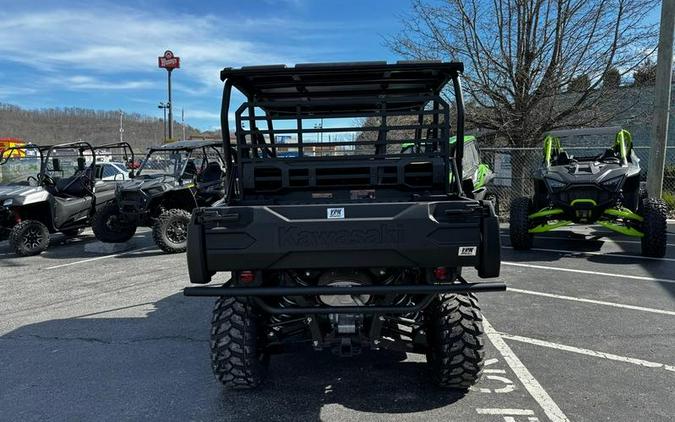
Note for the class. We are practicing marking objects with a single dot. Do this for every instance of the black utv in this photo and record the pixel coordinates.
(47, 190)
(337, 240)
(171, 181)
(600, 189)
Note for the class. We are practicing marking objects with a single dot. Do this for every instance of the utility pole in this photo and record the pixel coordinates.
(664, 70)
(121, 127)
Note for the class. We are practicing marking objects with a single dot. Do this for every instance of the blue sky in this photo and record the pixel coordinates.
(103, 54)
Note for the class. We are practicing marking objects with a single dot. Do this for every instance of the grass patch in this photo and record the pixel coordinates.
(669, 199)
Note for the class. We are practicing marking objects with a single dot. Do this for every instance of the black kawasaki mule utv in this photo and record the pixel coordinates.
(52, 190)
(348, 243)
(172, 180)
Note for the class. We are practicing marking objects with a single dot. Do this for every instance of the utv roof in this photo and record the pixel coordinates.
(331, 86)
(187, 145)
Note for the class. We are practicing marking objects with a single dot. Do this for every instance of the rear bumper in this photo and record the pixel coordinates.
(257, 293)
(454, 234)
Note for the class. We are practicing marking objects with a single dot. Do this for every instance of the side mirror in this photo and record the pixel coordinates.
(81, 163)
(56, 164)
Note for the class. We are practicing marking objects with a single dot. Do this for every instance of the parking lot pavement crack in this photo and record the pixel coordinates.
(55, 338)
(176, 338)
(104, 341)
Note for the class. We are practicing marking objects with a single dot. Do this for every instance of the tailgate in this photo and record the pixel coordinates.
(397, 234)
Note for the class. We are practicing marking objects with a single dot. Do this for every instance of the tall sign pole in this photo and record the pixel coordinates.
(664, 70)
(169, 62)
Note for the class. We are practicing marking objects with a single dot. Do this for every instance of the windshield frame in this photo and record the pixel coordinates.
(7, 155)
(177, 173)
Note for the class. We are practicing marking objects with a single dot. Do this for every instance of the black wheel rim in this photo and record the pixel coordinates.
(113, 223)
(33, 238)
(176, 231)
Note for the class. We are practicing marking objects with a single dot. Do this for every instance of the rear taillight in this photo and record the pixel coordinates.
(441, 273)
(246, 277)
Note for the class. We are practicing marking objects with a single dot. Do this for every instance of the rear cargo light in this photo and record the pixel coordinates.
(441, 273)
(246, 277)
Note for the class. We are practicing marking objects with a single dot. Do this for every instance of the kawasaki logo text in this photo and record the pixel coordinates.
(298, 237)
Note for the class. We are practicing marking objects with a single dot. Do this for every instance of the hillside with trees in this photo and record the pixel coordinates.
(58, 125)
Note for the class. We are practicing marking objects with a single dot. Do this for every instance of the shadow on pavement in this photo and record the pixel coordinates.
(626, 253)
(306, 385)
(151, 361)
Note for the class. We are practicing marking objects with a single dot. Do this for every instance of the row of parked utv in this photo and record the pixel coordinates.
(360, 248)
(68, 187)
(40, 194)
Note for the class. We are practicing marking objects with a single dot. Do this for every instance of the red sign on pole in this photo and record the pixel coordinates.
(169, 61)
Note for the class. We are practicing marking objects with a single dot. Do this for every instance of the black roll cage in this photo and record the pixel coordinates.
(126, 147)
(80, 146)
(378, 85)
(204, 146)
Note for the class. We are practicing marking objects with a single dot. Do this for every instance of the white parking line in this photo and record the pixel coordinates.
(609, 255)
(509, 412)
(97, 258)
(602, 238)
(587, 352)
(529, 382)
(593, 301)
(572, 270)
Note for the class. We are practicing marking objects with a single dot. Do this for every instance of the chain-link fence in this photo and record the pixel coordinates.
(513, 169)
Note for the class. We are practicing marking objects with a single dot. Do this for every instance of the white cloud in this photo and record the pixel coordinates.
(113, 39)
(201, 114)
(82, 82)
(9, 92)
(111, 48)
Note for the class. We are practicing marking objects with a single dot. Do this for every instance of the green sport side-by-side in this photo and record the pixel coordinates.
(602, 189)
(476, 175)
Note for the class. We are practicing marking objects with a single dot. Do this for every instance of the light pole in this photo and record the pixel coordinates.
(164, 106)
(182, 121)
(319, 126)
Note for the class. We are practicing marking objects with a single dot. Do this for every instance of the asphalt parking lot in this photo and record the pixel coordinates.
(585, 332)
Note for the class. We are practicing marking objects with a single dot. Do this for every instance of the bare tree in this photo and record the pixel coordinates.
(521, 56)
(579, 84)
(645, 74)
(611, 79)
